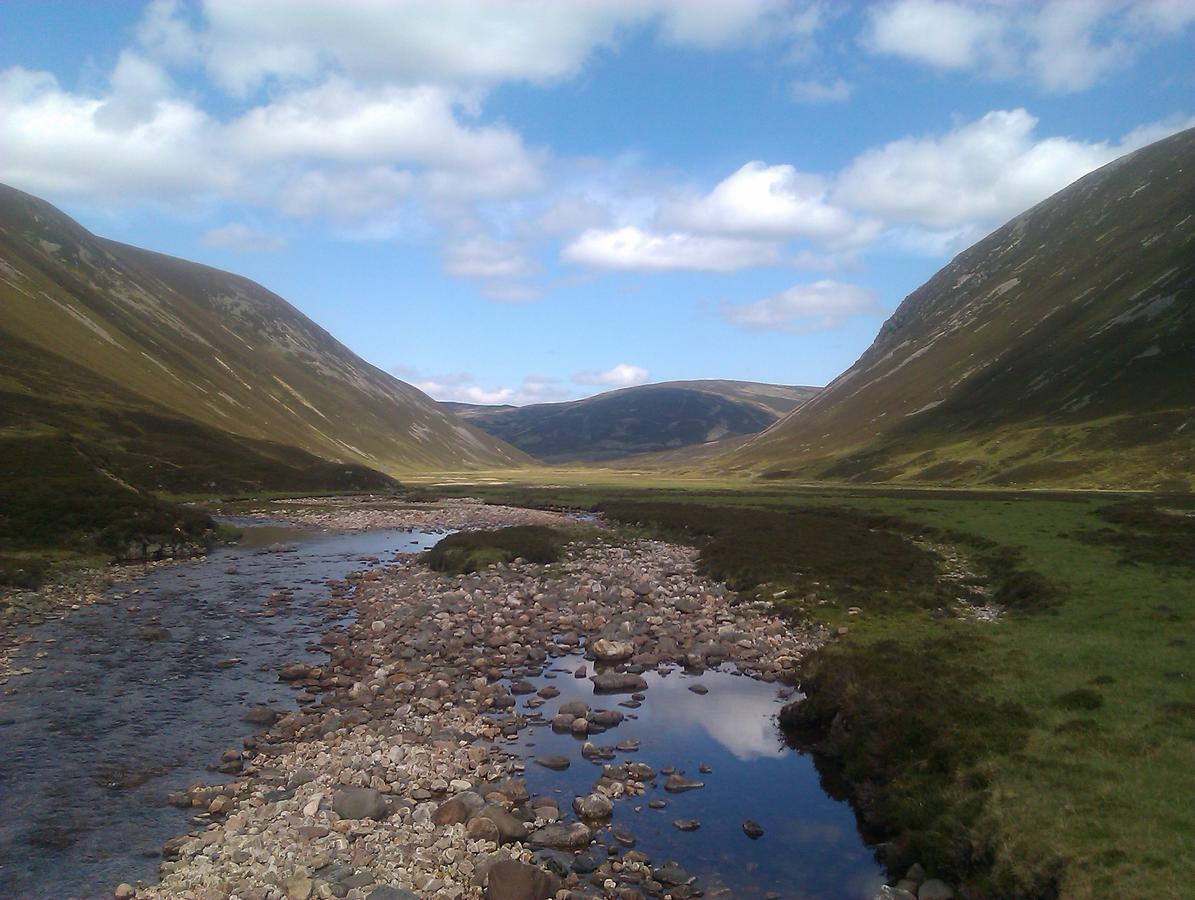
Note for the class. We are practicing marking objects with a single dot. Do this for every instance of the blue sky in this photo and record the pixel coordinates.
(524, 201)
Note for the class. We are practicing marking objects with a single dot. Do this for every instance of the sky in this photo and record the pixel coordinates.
(537, 200)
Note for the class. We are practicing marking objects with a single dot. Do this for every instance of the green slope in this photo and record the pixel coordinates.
(1058, 350)
(197, 371)
(649, 418)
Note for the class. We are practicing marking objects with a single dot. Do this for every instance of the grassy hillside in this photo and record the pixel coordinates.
(1055, 351)
(214, 353)
(646, 419)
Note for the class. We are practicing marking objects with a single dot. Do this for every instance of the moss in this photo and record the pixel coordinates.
(1080, 699)
(470, 551)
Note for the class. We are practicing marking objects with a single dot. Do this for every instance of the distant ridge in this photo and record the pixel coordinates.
(645, 419)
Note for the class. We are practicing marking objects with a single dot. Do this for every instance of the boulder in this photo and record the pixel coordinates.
(608, 651)
(509, 828)
(593, 806)
(618, 683)
(933, 889)
(386, 892)
(359, 803)
(510, 879)
(678, 784)
(561, 837)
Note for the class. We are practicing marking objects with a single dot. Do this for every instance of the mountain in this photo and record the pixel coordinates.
(644, 419)
(1059, 350)
(183, 377)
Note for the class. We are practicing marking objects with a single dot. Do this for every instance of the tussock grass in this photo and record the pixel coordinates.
(470, 551)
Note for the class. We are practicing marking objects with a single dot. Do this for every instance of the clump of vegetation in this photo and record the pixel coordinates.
(846, 556)
(470, 551)
(908, 727)
(1147, 532)
(24, 572)
(54, 497)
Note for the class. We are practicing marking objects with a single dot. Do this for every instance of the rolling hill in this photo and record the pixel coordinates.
(182, 377)
(1059, 350)
(644, 419)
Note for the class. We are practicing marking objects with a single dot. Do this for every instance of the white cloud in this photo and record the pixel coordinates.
(762, 201)
(819, 306)
(239, 236)
(1061, 45)
(978, 174)
(939, 33)
(345, 194)
(621, 375)
(811, 91)
(58, 142)
(462, 387)
(419, 126)
(632, 249)
(481, 256)
(467, 42)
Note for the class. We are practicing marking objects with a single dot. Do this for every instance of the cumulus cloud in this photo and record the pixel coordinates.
(818, 306)
(621, 375)
(812, 91)
(468, 42)
(59, 142)
(240, 237)
(462, 387)
(940, 33)
(762, 201)
(977, 174)
(632, 249)
(1061, 45)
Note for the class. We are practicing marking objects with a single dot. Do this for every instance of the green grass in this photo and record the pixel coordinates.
(470, 551)
(1085, 783)
(58, 504)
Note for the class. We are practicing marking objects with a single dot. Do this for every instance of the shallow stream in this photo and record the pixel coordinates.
(108, 723)
(810, 846)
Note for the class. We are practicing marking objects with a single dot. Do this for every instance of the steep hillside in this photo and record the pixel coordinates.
(191, 368)
(644, 419)
(1058, 350)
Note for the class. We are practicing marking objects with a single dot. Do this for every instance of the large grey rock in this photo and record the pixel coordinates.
(618, 683)
(509, 828)
(359, 803)
(458, 809)
(671, 873)
(562, 837)
(935, 890)
(386, 892)
(510, 879)
(605, 650)
(678, 784)
(888, 892)
(593, 806)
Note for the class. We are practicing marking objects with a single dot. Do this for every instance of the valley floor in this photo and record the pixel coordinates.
(393, 780)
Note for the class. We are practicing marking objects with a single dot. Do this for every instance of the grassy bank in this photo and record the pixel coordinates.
(1050, 750)
(59, 505)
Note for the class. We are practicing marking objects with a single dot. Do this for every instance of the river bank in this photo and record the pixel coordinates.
(401, 775)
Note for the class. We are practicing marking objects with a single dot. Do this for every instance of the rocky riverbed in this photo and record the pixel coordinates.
(369, 513)
(402, 773)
